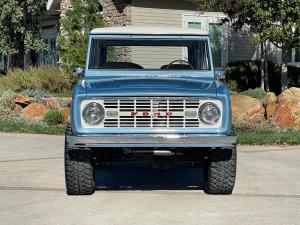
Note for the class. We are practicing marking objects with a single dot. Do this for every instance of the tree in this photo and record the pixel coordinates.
(284, 30)
(79, 20)
(20, 31)
(276, 21)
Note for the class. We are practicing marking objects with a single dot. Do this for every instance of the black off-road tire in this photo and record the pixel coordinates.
(220, 171)
(79, 171)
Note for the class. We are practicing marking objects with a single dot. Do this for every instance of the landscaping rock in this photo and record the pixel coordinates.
(247, 109)
(67, 100)
(34, 111)
(51, 103)
(65, 111)
(288, 109)
(17, 110)
(24, 100)
(270, 105)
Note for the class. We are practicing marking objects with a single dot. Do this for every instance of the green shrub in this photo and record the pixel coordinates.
(245, 74)
(232, 85)
(7, 102)
(38, 94)
(257, 93)
(51, 79)
(294, 76)
(53, 117)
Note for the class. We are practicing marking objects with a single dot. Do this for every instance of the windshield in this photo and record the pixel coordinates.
(139, 54)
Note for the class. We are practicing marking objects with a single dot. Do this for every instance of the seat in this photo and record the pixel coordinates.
(176, 67)
(120, 65)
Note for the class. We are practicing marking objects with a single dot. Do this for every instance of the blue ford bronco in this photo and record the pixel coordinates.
(150, 94)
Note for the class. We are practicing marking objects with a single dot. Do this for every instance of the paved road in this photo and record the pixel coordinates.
(32, 190)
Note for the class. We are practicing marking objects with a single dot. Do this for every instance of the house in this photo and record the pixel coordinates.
(227, 44)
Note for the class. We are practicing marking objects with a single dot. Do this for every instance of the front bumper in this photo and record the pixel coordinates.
(151, 140)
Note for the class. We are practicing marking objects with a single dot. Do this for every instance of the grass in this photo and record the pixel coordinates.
(269, 138)
(259, 137)
(21, 127)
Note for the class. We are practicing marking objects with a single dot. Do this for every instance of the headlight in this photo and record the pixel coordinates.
(93, 113)
(209, 113)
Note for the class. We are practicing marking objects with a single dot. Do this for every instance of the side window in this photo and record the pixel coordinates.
(215, 33)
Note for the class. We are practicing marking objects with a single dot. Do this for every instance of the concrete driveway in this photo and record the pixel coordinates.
(32, 189)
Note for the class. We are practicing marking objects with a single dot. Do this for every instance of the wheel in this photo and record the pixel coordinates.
(79, 172)
(220, 171)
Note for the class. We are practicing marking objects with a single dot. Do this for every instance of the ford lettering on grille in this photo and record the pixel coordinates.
(145, 112)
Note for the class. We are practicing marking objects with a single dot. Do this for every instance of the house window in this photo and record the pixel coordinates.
(218, 32)
(194, 25)
(215, 33)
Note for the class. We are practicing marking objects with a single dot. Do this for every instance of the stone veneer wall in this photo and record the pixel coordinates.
(64, 6)
(115, 13)
(118, 13)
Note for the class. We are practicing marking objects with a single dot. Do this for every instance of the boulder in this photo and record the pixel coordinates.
(247, 109)
(17, 110)
(51, 103)
(288, 109)
(34, 111)
(65, 111)
(66, 100)
(270, 104)
(24, 100)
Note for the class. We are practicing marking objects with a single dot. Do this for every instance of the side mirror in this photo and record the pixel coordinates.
(220, 75)
(78, 72)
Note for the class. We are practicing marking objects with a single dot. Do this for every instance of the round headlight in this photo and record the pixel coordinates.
(93, 113)
(209, 113)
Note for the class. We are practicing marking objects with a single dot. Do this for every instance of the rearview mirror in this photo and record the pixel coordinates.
(78, 72)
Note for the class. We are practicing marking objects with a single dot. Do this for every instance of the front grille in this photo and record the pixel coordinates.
(151, 113)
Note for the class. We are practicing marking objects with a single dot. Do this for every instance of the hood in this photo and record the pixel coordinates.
(151, 87)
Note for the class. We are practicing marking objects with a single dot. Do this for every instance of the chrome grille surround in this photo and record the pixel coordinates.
(152, 112)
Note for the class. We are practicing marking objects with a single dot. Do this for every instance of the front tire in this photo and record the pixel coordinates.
(220, 171)
(79, 172)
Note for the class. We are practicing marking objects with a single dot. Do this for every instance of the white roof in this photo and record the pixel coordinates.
(149, 30)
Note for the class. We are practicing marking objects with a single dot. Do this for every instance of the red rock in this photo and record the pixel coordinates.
(24, 100)
(65, 111)
(247, 109)
(288, 109)
(35, 111)
(51, 103)
(270, 104)
(17, 110)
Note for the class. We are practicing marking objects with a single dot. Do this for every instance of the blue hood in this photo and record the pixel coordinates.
(135, 87)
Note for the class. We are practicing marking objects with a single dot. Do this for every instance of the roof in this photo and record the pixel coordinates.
(149, 30)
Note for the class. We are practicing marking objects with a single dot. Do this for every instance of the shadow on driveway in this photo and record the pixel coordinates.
(133, 176)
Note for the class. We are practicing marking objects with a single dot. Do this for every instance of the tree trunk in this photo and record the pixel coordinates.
(267, 88)
(17, 60)
(262, 66)
(284, 68)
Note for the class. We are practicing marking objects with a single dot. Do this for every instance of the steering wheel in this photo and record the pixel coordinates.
(181, 61)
